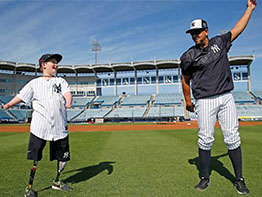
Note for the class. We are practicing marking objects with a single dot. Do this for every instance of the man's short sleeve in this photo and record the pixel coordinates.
(186, 63)
(227, 40)
(26, 93)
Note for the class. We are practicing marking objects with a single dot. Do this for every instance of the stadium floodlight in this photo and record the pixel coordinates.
(96, 47)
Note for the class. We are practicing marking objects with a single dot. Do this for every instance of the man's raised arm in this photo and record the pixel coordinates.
(242, 23)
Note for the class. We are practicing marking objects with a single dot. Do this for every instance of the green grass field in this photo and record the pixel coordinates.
(132, 163)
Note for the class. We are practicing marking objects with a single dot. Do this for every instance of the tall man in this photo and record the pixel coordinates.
(50, 96)
(206, 66)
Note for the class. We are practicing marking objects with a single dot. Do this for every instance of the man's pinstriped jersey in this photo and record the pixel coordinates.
(49, 118)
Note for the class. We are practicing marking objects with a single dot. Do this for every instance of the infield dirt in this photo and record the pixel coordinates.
(123, 127)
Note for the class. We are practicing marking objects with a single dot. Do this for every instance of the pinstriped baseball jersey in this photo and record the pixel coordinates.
(49, 118)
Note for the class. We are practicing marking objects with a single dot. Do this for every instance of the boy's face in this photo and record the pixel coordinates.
(50, 67)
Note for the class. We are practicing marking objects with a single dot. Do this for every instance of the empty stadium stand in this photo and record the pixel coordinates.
(141, 100)
(21, 114)
(92, 114)
(5, 99)
(127, 112)
(106, 101)
(168, 99)
(4, 116)
(81, 101)
(257, 95)
(142, 107)
(73, 113)
(166, 111)
(249, 111)
(242, 97)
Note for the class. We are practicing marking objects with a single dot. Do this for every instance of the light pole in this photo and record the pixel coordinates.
(96, 47)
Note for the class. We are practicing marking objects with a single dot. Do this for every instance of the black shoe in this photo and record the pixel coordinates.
(29, 192)
(241, 186)
(203, 184)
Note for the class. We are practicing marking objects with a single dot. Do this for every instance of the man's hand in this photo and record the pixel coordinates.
(190, 107)
(252, 4)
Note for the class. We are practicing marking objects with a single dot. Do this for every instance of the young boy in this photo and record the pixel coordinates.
(50, 96)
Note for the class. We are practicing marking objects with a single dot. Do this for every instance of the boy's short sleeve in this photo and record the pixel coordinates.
(65, 87)
(26, 93)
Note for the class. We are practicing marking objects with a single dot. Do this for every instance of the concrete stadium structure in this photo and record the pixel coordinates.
(88, 82)
(84, 78)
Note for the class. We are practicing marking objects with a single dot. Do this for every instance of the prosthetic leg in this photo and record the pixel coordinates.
(57, 184)
(29, 189)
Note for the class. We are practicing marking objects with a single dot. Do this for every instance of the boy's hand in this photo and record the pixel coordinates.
(68, 106)
(6, 106)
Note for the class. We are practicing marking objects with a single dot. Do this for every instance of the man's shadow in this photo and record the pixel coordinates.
(215, 165)
(86, 173)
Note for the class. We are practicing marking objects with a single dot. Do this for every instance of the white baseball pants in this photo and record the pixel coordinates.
(223, 109)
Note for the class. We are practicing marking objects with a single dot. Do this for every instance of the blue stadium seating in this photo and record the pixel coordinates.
(242, 97)
(258, 94)
(81, 101)
(21, 114)
(92, 113)
(72, 113)
(107, 101)
(5, 99)
(4, 116)
(127, 112)
(162, 111)
(249, 110)
(168, 99)
(136, 100)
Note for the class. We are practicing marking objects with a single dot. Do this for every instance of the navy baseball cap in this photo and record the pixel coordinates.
(197, 24)
(46, 57)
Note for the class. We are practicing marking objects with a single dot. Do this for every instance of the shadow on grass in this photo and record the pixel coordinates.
(83, 174)
(215, 165)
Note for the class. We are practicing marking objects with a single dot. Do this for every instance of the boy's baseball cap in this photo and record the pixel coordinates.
(197, 24)
(46, 57)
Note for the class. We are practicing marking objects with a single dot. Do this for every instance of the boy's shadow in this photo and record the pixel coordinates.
(215, 165)
(86, 173)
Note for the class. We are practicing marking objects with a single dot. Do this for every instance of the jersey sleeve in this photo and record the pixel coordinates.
(227, 40)
(65, 87)
(186, 63)
(26, 93)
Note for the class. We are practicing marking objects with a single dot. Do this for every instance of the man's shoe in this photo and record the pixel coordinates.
(29, 192)
(203, 184)
(59, 185)
(241, 186)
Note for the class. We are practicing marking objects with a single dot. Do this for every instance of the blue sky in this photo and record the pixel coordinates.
(128, 30)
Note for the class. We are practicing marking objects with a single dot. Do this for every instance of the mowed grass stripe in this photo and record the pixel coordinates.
(132, 163)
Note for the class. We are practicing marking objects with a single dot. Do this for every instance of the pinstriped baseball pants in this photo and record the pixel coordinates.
(223, 109)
